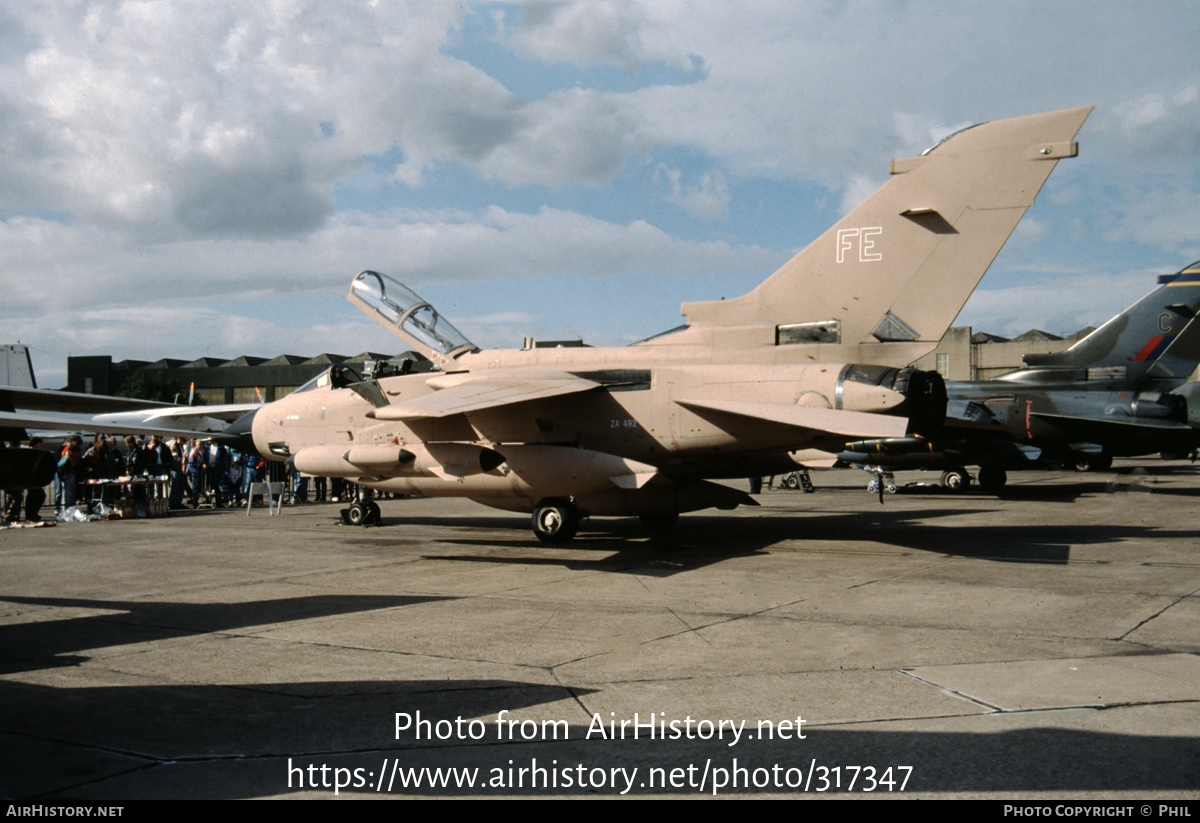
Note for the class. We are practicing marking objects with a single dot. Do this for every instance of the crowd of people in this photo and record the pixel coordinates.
(193, 473)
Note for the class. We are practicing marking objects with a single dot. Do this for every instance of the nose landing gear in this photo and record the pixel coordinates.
(362, 513)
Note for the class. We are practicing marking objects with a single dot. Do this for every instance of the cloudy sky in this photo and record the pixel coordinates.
(184, 178)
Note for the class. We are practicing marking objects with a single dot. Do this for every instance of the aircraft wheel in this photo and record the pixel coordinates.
(373, 512)
(356, 515)
(992, 479)
(956, 480)
(791, 482)
(555, 520)
(659, 521)
(1093, 462)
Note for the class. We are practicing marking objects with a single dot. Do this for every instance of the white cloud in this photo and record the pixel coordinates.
(858, 189)
(1158, 213)
(1065, 301)
(100, 293)
(574, 136)
(583, 32)
(202, 119)
(209, 119)
(1141, 112)
(708, 199)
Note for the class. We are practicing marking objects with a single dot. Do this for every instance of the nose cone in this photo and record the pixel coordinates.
(241, 433)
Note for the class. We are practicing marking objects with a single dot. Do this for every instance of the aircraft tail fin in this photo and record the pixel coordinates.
(898, 268)
(1158, 336)
(16, 367)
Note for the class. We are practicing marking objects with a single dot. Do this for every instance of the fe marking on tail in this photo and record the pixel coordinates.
(863, 238)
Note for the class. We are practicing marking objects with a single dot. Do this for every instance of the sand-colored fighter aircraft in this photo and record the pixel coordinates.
(811, 358)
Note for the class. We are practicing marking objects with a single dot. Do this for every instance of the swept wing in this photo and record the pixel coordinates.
(486, 391)
(74, 411)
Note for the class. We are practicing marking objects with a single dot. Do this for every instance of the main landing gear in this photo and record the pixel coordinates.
(1093, 462)
(555, 520)
(991, 479)
(956, 480)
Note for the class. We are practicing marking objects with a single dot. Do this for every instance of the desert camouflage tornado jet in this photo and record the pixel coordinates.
(1120, 392)
(812, 357)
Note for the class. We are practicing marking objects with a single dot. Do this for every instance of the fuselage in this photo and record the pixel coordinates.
(1057, 411)
(629, 426)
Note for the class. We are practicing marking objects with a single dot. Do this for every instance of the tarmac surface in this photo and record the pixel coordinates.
(1040, 645)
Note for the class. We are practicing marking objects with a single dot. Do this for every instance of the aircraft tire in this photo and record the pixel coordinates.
(373, 513)
(956, 480)
(356, 515)
(555, 520)
(659, 521)
(791, 482)
(992, 479)
(1093, 462)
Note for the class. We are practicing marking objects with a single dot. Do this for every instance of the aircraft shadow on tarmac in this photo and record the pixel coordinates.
(60, 741)
(701, 542)
(244, 741)
(1117, 485)
(48, 643)
(901, 522)
(1138, 480)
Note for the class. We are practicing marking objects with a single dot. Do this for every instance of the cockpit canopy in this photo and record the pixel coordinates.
(404, 313)
(336, 376)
